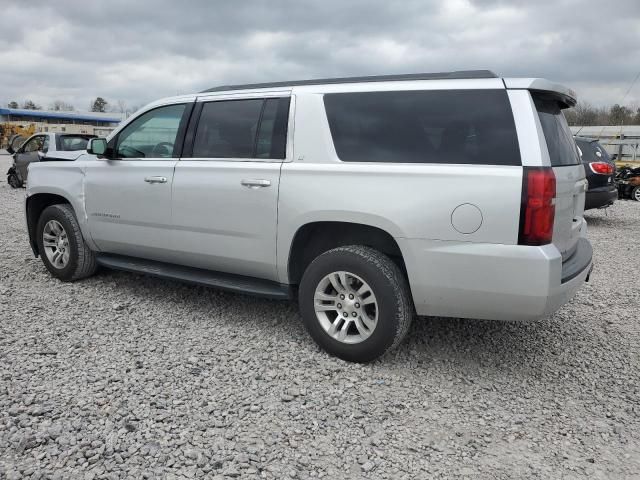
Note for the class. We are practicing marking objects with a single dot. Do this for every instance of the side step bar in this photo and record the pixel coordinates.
(197, 276)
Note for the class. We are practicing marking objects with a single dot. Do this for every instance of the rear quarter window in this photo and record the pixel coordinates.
(436, 126)
(560, 143)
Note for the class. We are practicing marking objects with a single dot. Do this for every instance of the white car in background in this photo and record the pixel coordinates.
(43, 147)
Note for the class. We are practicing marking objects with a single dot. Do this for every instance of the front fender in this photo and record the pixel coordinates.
(62, 179)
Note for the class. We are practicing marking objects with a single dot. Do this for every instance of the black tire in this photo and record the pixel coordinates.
(82, 261)
(635, 194)
(389, 286)
(14, 181)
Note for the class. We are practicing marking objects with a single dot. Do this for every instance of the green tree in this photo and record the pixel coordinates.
(99, 105)
(13, 104)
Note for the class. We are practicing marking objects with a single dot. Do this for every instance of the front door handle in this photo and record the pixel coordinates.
(255, 183)
(155, 179)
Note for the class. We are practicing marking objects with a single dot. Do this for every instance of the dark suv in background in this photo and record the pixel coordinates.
(600, 171)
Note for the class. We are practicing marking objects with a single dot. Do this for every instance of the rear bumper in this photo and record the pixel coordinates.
(490, 281)
(600, 197)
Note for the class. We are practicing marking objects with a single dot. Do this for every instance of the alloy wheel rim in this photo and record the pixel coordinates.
(637, 194)
(346, 307)
(56, 244)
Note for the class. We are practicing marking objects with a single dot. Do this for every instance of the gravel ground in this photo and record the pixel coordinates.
(122, 376)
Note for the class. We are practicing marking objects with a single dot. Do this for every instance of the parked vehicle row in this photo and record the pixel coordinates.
(370, 199)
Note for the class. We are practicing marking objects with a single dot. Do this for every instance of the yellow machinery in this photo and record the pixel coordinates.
(8, 130)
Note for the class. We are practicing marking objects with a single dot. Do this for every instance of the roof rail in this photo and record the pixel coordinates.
(462, 74)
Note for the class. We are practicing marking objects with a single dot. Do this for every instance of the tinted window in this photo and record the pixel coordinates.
(560, 143)
(592, 151)
(272, 134)
(439, 126)
(253, 128)
(151, 135)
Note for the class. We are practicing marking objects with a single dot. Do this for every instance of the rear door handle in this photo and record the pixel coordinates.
(255, 183)
(155, 179)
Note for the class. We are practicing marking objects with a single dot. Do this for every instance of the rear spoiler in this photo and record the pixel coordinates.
(565, 95)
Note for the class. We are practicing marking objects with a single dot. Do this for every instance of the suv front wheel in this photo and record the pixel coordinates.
(61, 246)
(355, 303)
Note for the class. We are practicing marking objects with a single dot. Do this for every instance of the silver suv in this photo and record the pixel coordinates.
(370, 199)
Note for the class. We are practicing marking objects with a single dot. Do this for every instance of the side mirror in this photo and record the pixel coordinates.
(10, 150)
(97, 146)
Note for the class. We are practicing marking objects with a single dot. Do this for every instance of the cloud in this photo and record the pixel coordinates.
(138, 51)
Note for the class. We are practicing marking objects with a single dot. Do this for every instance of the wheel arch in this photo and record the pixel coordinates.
(314, 238)
(35, 205)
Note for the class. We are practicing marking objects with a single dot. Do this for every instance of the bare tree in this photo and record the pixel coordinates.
(585, 114)
(122, 106)
(135, 108)
(60, 106)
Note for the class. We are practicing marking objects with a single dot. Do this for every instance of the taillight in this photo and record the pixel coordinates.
(538, 209)
(602, 168)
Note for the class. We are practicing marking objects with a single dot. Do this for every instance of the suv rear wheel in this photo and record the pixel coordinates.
(355, 303)
(61, 246)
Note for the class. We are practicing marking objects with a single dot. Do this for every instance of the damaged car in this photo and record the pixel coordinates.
(42, 147)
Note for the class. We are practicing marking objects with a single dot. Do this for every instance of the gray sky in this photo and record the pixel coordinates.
(141, 50)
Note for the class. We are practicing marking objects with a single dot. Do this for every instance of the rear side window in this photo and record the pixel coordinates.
(73, 143)
(436, 126)
(253, 128)
(272, 134)
(560, 143)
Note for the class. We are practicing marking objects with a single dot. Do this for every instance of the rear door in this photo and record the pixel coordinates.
(225, 190)
(567, 167)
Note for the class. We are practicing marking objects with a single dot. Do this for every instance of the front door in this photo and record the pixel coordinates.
(128, 195)
(225, 191)
(32, 151)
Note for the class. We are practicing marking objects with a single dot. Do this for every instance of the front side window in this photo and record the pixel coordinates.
(428, 126)
(151, 135)
(35, 144)
(252, 128)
